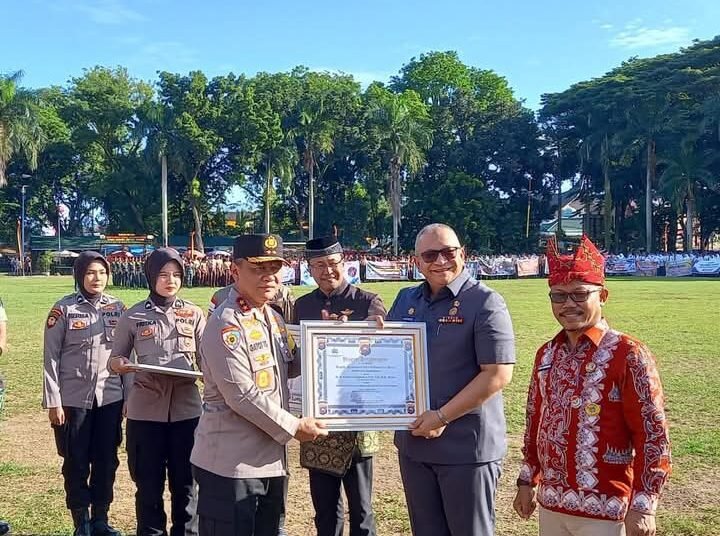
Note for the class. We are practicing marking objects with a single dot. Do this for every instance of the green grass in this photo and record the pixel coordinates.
(678, 319)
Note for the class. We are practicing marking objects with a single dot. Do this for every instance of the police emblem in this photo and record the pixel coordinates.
(453, 311)
(262, 359)
(256, 335)
(231, 337)
(52, 318)
(411, 311)
(147, 332)
(79, 324)
(271, 242)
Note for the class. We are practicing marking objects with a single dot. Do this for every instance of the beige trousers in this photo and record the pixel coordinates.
(555, 524)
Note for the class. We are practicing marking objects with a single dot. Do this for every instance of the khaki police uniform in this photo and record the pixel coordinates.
(341, 459)
(162, 410)
(283, 302)
(77, 343)
(240, 457)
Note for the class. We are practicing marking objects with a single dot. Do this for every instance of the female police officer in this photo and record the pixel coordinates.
(162, 409)
(84, 402)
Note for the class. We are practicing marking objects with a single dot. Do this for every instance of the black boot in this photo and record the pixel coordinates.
(99, 522)
(4, 527)
(81, 521)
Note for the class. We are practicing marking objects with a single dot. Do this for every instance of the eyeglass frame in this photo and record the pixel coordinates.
(449, 253)
(573, 296)
(324, 267)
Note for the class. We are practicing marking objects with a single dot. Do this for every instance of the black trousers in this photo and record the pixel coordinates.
(154, 450)
(88, 443)
(239, 506)
(329, 511)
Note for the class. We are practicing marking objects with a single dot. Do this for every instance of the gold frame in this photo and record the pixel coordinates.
(315, 333)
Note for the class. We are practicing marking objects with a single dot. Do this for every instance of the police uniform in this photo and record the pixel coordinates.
(450, 480)
(162, 410)
(348, 454)
(283, 302)
(78, 338)
(240, 458)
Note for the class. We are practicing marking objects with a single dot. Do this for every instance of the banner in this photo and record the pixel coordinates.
(707, 267)
(620, 266)
(646, 268)
(305, 277)
(496, 267)
(386, 271)
(678, 267)
(528, 267)
(352, 272)
(288, 275)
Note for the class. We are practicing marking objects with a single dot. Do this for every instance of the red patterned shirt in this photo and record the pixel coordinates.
(596, 437)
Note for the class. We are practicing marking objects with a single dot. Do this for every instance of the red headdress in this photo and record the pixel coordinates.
(587, 265)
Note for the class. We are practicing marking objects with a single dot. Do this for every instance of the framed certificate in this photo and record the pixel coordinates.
(358, 377)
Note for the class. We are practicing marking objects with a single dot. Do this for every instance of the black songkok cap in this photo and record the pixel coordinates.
(322, 247)
(258, 248)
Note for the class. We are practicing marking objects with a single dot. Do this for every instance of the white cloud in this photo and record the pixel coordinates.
(607, 26)
(634, 37)
(108, 12)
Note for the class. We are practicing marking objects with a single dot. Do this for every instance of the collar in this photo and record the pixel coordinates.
(79, 298)
(594, 333)
(336, 292)
(454, 287)
(177, 304)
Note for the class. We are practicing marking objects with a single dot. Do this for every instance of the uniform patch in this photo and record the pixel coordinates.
(147, 332)
(262, 359)
(79, 324)
(52, 318)
(231, 337)
(263, 378)
(451, 320)
(184, 313)
(110, 307)
(255, 335)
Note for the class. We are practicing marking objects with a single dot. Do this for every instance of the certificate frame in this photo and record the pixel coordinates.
(400, 351)
(168, 371)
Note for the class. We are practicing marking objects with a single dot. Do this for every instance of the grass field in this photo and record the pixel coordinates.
(678, 319)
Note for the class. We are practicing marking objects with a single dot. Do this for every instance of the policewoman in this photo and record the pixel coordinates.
(240, 456)
(343, 459)
(84, 401)
(162, 409)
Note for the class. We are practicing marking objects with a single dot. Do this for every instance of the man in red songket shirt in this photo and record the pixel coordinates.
(596, 443)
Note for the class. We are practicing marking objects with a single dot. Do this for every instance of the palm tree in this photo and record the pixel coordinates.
(316, 131)
(278, 162)
(401, 126)
(681, 179)
(19, 128)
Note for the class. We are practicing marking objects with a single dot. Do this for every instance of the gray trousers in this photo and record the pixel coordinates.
(450, 500)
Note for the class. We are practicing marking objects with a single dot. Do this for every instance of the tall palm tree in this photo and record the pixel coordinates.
(401, 125)
(686, 171)
(20, 132)
(278, 162)
(317, 133)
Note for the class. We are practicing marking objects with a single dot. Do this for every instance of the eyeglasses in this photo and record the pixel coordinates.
(578, 296)
(431, 255)
(322, 266)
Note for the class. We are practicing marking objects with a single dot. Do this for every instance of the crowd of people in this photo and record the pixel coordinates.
(596, 453)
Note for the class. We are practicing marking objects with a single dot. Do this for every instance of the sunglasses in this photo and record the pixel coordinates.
(577, 296)
(431, 255)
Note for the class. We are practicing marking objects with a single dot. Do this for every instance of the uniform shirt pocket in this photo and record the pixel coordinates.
(263, 372)
(146, 343)
(186, 337)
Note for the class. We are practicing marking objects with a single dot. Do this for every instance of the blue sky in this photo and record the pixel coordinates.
(538, 46)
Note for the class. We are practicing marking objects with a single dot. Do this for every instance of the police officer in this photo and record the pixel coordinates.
(4, 525)
(351, 468)
(162, 409)
(240, 457)
(450, 458)
(83, 400)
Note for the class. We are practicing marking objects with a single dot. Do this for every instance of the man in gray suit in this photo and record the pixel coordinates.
(450, 459)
